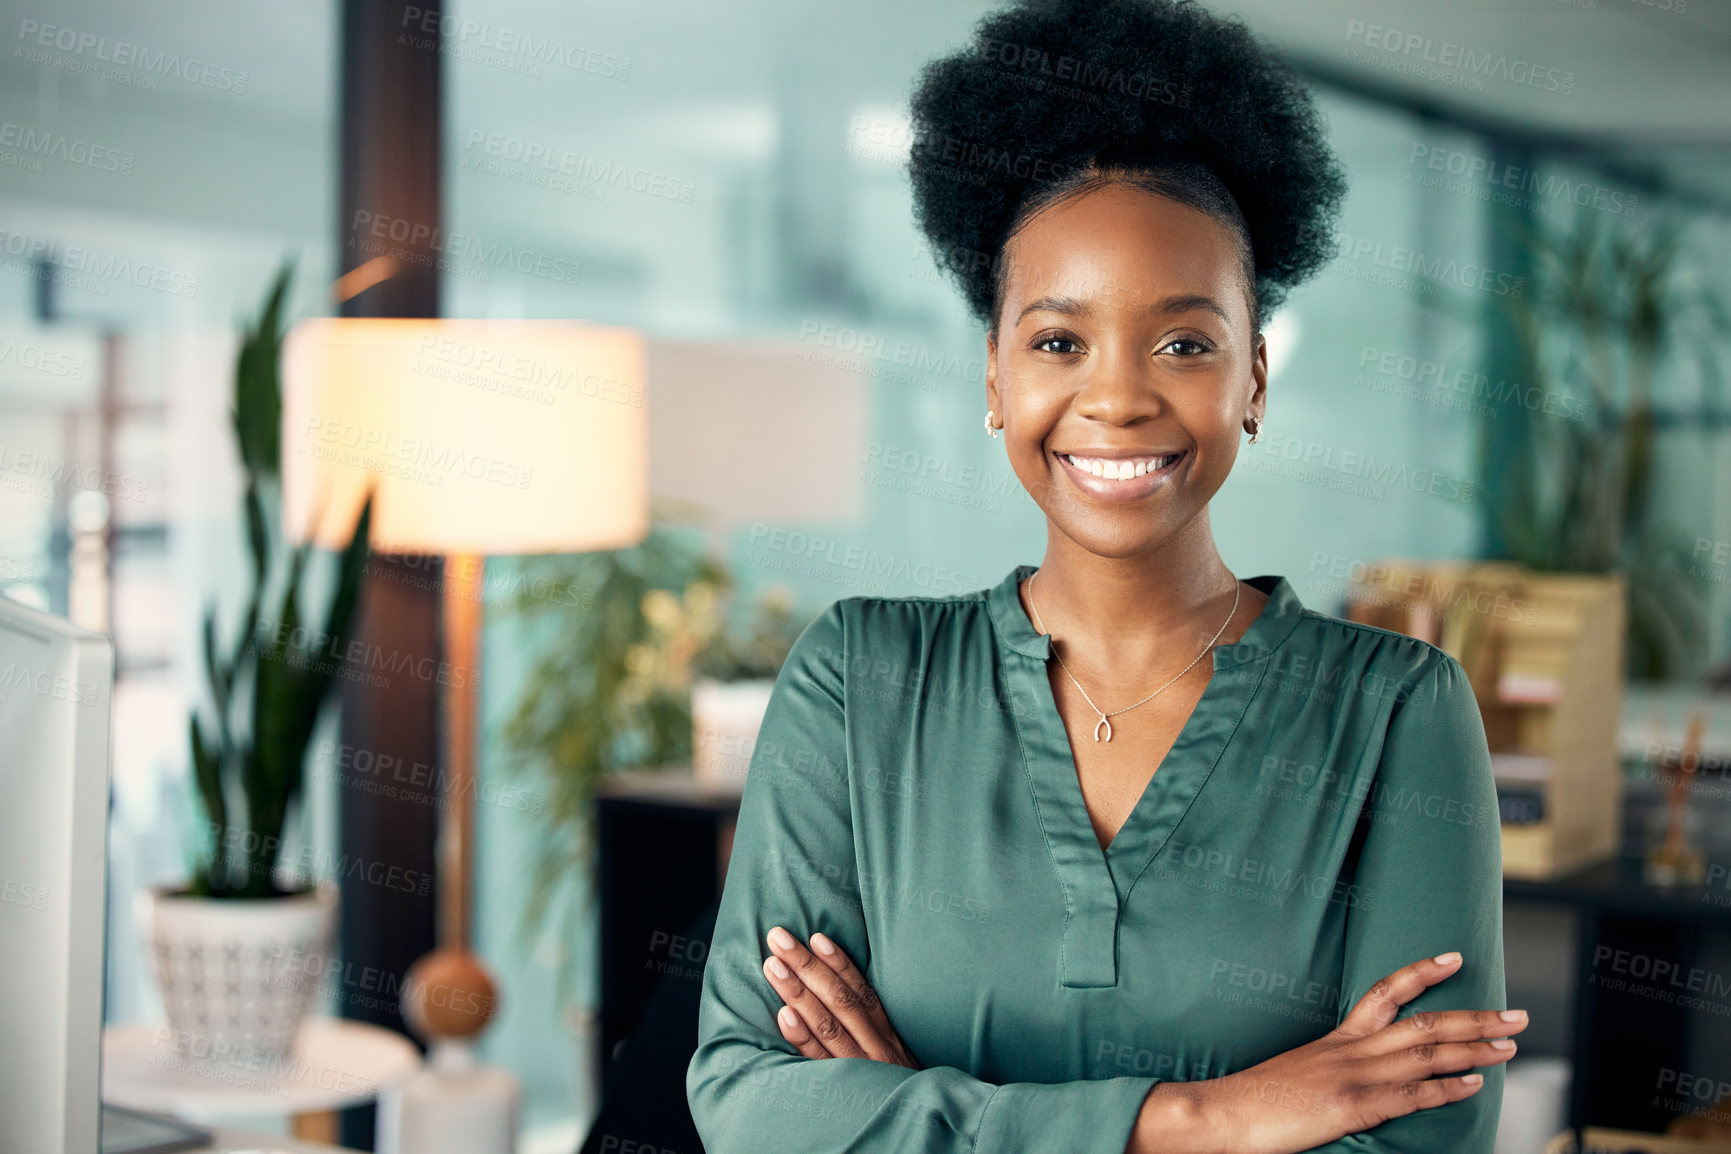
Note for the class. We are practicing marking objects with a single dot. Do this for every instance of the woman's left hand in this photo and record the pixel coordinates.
(831, 1011)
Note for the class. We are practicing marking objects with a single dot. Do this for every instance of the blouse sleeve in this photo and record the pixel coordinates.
(1430, 875)
(793, 864)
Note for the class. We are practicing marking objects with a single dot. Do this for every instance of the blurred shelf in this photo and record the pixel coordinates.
(669, 786)
(1615, 887)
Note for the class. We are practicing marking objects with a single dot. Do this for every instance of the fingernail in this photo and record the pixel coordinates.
(790, 1021)
(822, 944)
(774, 966)
(1473, 1079)
(780, 939)
(1502, 1043)
(1514, 1015)
(1447, 959)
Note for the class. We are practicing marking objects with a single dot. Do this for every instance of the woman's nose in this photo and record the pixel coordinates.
(1120, 386)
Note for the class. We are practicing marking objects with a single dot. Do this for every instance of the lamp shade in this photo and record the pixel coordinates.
(476, 436)
(799, 421)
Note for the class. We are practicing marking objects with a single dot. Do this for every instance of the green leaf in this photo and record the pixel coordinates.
(352, 567)
(218, 676)
(257, 531)
(207, 776)
(258, 384)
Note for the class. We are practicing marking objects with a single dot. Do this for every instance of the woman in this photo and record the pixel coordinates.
(1175, 890)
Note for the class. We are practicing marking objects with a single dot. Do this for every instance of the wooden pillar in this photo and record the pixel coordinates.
(388, 235)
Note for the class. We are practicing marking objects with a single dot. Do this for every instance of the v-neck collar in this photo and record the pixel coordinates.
(1097, 882)
(1265, 634)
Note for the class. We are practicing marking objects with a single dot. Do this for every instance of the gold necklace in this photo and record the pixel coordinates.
(1237, 588)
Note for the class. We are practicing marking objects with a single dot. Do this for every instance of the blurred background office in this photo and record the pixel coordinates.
(1517, 355)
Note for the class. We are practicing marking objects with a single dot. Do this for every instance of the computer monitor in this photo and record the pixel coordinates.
(55, 685)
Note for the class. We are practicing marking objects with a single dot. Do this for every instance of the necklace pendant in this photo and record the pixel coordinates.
(1097, 726)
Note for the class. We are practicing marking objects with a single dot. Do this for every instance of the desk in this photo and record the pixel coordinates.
(1634, 951)
(662, 845)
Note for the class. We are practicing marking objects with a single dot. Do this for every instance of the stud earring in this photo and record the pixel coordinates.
(991, 429)
(1255, 429)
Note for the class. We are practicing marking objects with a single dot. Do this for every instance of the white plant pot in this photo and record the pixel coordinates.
(725, 718)
(238, 977)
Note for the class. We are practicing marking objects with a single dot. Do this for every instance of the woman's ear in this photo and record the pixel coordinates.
(1259, 377)
(992, 373)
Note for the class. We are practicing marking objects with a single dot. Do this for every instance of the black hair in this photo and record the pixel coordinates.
(1057, 97)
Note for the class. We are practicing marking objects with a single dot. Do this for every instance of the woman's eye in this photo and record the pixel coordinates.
(1185, 347)
(1045, 343)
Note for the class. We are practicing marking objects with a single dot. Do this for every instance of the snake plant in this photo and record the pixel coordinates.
(267, 686)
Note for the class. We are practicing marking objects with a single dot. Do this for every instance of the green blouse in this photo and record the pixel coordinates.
(1326, 816)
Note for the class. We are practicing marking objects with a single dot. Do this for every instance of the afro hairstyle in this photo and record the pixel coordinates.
(1056, 96)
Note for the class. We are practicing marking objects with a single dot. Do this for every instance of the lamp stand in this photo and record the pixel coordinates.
(448, 993)
(462, 612)
(455, 1105)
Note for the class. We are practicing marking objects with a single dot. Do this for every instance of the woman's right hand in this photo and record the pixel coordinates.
(1365, 1071)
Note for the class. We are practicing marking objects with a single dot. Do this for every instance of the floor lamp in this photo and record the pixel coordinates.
(476, 438)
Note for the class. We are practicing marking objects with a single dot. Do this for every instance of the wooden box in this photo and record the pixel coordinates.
(1544, 652)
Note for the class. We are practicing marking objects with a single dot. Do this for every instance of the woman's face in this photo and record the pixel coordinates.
(1124, 335)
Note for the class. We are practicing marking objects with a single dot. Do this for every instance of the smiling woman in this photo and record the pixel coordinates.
(995, 917)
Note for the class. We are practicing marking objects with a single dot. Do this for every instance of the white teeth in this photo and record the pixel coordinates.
(1116, 470)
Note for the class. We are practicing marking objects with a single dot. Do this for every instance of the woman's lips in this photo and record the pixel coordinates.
(1133, 489)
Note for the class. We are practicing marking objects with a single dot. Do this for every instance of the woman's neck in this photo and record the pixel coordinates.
(1134, 612)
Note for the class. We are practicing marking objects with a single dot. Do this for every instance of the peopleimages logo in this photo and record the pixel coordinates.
(61, 687)
(520, 48)
(1487, 178)
(35, 145)
(376, 449)
(869, 347)
(1356, 471)
(96, 267)
(458, 252)
(828, 552)
(1084, 78)
(1418, 50)
(38, 358)
(1428, 267)
(121, 54)
(1468, 385)
(562, 162)
(502, 361)
(971, 161)
(51, 474)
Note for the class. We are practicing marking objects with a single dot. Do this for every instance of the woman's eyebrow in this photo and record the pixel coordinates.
(1068, 306)
(1177, 303)
(1185, 302)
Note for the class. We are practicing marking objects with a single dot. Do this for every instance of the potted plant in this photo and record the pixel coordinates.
(622, 636)
(732, 677)
(1612, 300)
(221, 942)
